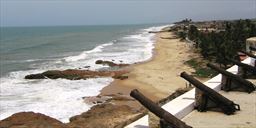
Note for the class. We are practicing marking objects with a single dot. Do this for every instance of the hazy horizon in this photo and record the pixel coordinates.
(18, 13)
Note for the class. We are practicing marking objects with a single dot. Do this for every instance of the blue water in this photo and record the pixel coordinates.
(20, 47)
(26, 50)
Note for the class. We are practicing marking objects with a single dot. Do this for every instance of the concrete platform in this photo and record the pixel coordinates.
(245, 118)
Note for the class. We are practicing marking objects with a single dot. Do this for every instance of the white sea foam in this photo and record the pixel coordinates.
(61, 98)
(137, 47)
(144, 44)
(83, 55)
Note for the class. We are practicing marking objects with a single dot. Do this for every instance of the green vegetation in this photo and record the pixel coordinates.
(218, 45)
(200, 70)
(215, 41)
(182, 35)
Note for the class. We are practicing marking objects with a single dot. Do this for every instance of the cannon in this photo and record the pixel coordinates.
(231, 81)
(243, 69)
(167, 119)
(248, 54)
(252, 48)
(209, 98)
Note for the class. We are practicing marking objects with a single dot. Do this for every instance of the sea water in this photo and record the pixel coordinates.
(28, 50)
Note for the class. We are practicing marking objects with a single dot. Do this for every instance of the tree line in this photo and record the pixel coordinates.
(218, 45)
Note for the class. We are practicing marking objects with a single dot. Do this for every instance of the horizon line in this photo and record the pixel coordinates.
(73, 25)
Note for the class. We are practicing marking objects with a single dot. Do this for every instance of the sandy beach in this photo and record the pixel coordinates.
(158, 77)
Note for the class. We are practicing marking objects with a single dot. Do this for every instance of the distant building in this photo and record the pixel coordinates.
(211, 26)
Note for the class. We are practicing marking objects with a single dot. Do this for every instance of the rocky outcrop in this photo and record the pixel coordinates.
(30, 120)
(105, 116)
(73, 74)
(110, 63)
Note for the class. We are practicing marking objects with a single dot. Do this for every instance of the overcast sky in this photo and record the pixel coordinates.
(94, 12)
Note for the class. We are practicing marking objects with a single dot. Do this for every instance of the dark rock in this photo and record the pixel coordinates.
(110, 63)
(87, 66)
(99, 62)
(74, 74)
(35, 76)
(121, 77)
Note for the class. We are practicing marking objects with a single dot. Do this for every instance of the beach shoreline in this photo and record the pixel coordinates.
(152, 77)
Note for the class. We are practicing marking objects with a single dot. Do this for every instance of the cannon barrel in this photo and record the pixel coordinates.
(208, 91)
(243, 65)
(158, 111)
(228, 106)
(248, 54)
(247, 84)
(252, 48)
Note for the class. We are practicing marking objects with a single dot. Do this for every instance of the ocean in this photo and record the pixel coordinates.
(27, 50)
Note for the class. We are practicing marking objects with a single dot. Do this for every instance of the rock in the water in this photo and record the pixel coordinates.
(110, 63)
(121, 77)
(35, 76)
(99, 62)
(55, 74)
(74, 74)
(30, 120)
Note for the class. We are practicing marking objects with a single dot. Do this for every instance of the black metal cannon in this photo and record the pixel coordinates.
(209, 98)
(231, 81)
(252, 48)
(244, 70)
(167, 119)
(248, 54)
